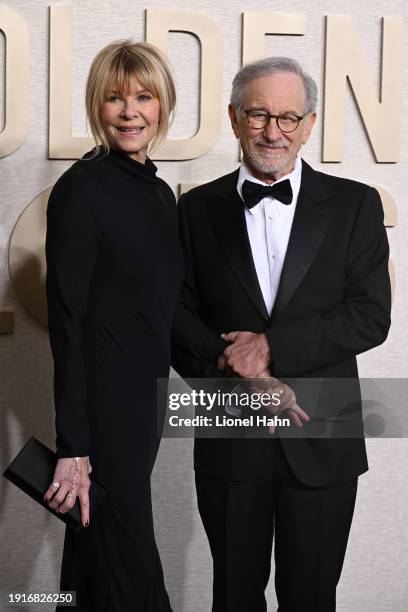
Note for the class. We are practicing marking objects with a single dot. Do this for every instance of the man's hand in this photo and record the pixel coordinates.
(248, 355)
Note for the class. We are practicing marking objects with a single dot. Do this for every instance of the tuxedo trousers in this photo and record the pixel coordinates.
(310, 527)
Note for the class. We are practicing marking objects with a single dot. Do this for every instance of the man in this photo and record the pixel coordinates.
(290, 265)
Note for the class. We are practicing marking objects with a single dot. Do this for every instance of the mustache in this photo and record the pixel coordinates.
(276, 144)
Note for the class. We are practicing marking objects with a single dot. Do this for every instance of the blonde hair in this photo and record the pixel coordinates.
(113, 68)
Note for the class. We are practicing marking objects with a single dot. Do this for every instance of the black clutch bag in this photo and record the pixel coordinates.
(32, 471)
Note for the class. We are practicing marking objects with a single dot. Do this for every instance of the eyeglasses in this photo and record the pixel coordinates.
(259, 119)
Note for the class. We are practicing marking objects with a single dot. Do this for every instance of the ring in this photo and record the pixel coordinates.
(56, 484)
(70, 496)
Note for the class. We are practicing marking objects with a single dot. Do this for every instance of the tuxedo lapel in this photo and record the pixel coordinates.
(310, 223)
(227, 215)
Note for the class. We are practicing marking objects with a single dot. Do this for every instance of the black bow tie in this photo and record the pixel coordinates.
(254, 192)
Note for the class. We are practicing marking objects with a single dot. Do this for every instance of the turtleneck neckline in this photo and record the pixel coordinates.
(146, 171)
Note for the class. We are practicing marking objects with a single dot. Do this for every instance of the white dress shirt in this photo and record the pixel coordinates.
(269, 224)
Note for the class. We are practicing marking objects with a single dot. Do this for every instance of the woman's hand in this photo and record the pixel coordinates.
(287, 400)
(71, 480)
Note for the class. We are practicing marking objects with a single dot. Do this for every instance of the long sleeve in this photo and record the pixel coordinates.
(192, 339)
(360, 322)
(188, 366)
(71, 251)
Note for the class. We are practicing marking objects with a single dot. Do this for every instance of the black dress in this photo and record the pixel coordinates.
(114, 271)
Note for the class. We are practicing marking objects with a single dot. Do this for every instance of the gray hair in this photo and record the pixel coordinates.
(272, 65)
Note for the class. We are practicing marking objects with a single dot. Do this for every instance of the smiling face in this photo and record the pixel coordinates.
(268, 152)
(131, 119)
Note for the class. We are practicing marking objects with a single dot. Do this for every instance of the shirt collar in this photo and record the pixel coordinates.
(294, 178)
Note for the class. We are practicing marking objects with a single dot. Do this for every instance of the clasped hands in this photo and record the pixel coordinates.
(249, 356)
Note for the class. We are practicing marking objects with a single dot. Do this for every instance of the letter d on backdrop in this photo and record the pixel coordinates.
(158, 24)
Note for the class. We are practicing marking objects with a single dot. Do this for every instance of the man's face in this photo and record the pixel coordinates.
(268, 152)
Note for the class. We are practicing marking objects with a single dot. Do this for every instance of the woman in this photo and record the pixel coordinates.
(114, 269)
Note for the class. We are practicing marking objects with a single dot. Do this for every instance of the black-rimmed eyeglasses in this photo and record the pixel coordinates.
(259, 119)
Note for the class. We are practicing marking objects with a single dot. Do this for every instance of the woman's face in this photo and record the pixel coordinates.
(131, 120)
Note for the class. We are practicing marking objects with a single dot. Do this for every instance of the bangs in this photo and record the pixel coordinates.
(124, 68)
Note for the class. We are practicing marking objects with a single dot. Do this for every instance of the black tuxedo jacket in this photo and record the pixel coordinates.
(333, 303)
